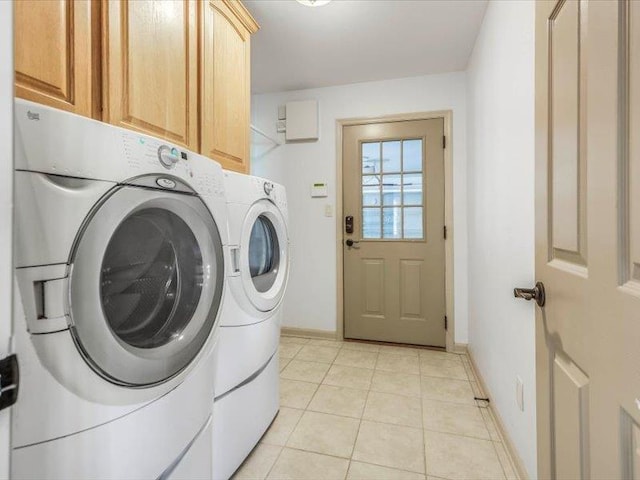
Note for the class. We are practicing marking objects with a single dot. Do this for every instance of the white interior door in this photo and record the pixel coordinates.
(6, 208)
(588, 238)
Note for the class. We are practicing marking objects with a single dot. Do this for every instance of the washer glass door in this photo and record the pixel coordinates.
(146, 284)
(264, 262)
(151, 278)
(264, 254)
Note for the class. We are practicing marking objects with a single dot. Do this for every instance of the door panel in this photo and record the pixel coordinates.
(53, 53)
(411, 284)
(588, 388)
(571, 402)
(395, 272)
(152, 80)
(373, 281)
(226, 87)
(567, 166)
(564, 42)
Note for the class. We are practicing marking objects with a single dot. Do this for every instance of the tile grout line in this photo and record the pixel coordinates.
(305, 409)
(302, 415)
(290, 433)
(298, 449)
(340, 347)
(274, 463)
(346, 473)
(424, 431)
(364, 408)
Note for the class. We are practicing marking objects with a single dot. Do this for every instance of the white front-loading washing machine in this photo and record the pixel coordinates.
(247, 374)
(121, 275)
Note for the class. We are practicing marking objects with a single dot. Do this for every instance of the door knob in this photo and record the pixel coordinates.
(537, 293)
(350, 243)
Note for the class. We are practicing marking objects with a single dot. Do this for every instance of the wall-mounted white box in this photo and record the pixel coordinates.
(302, 120)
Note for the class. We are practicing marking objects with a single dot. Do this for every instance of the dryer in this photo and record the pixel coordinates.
(247, 373)
(120, 272)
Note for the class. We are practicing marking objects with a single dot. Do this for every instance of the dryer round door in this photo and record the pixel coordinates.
(145, 285)
(264, 262)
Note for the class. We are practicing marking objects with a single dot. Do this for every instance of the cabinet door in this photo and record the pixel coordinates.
(53, 50)
(226, 94)
(151, 67)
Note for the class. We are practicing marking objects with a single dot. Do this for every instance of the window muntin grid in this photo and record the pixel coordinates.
(392, 189)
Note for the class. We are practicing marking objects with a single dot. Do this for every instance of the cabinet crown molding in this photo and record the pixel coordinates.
(243, 15)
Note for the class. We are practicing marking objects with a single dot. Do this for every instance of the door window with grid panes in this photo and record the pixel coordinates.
(392, 184)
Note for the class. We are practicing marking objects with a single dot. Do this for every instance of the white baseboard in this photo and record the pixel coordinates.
(506, 439)
(309, 332)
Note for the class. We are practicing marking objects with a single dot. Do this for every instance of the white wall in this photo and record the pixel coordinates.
(500, 106)
(6, 207)
(311, 297)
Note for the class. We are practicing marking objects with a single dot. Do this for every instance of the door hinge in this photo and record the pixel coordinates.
(444, 232)
(9, 381)
(444, 141)
(446, 324)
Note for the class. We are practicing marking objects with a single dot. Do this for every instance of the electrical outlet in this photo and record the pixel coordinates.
(520, 393)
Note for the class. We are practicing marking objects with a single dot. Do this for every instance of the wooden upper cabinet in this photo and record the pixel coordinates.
(54, 54)
(150, 68)
(226, 83)
(174, 69)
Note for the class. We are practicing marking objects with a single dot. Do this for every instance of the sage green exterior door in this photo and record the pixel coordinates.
(394, 258)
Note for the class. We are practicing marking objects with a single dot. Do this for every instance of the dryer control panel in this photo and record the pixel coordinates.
(274, 192)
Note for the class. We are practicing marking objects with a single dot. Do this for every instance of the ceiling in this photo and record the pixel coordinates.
(349, 41)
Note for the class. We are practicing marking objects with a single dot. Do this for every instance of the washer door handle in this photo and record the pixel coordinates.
(235, 259)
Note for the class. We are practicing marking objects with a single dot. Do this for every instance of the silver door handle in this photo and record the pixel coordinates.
(350, 243)
(537, 293)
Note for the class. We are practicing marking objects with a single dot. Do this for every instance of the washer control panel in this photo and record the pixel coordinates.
(144, 152)
(168, 156)
(150, 155)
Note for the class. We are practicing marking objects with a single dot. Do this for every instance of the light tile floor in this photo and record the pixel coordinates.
(366, 411)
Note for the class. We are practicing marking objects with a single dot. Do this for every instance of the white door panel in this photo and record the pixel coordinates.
(587, 231)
